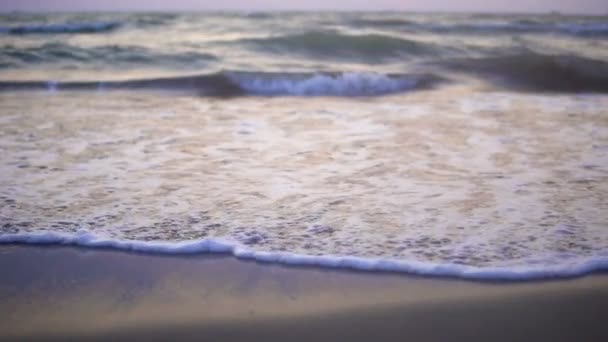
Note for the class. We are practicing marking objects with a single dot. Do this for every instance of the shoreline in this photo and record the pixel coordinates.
(221, 247)
(58, 293)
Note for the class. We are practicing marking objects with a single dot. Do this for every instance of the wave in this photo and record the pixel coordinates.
(93, 27)
(234, 83)
(11, 56)
(538, 72)
(368, 47)
(258, 15)
(381, 22)
(576, 29)
(212, 245)
(596, 29)
(591, 29)
(329, 84)
(145, 20)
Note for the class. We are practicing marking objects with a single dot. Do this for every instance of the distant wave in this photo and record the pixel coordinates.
(537, 72)
(145, 20)
(596, 29)
(11, 56)
(61, 28)
(256, 84)
(381, 22)
(492, 27)
(586, 29)
(370, 47)
(259, 15)
(561, 269)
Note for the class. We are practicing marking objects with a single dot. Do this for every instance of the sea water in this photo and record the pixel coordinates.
(458, 145)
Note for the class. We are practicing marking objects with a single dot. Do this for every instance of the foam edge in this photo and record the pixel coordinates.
(222, 246)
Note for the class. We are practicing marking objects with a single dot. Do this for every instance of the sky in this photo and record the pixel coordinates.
(565, 6)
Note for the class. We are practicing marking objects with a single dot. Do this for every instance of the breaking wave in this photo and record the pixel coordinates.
(328, 84)
(256, 84)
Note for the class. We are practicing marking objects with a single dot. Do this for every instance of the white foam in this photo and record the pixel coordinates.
(463, 180)
(212, 245)
(346, 84)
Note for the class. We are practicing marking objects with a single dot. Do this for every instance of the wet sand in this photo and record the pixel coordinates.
(63, 293)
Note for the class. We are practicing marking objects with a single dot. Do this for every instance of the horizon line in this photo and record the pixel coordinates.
(181, 11)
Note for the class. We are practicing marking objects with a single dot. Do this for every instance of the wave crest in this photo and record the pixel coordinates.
(11, 56)
(583, 29)
(323, 84)
(537, 72)
(340, 45)
(228, 84)
(94, 27)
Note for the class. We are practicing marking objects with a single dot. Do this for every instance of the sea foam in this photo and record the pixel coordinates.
(464, 185)
(344, 84)
(240, 83)
(214, 245)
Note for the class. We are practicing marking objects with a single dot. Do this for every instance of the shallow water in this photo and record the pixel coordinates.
(486, 180)
(468, 166)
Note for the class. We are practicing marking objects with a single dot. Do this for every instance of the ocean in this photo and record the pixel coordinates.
(459, 145)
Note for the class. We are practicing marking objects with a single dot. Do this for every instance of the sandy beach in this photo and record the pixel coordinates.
(62, 293)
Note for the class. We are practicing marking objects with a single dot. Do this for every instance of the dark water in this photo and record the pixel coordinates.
(303, 53)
